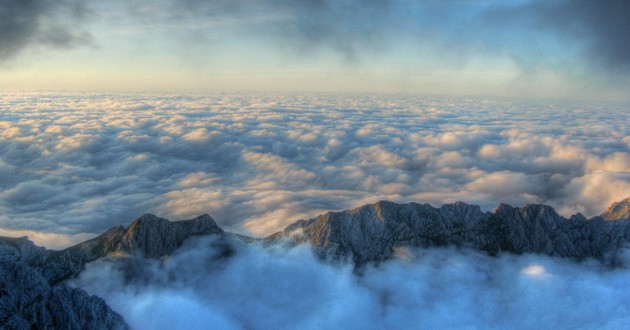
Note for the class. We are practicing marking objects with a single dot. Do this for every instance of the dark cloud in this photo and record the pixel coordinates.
(25, 23)
(558, 35)
(533, 33)
(604, 25)
(600, 30)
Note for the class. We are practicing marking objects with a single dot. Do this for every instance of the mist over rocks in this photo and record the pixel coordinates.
(155, 264)
(373, 232)
(433, 278)
(32, 278)
(148, 236)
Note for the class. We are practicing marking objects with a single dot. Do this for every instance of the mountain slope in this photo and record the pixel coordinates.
(373, 232)
(31, 295)
(148, 236)
(28, 301)
(31, 278)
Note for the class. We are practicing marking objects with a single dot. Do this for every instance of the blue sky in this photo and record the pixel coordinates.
(565, 49)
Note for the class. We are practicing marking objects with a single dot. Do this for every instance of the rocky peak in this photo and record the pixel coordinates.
(504, 210)
(528, 212)
(148, 235)
(33, 294)
(618, 210)
(380, 209)
(155, 237)
(372, 232)
(461, 210)
(538, 211)
(19, 248)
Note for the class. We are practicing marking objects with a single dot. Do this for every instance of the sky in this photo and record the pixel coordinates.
(526, 48)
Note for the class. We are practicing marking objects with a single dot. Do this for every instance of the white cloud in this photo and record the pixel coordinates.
(86, 162)
(275, 288)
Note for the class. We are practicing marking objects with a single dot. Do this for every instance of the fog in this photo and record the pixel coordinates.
(274, 288)
(75, 164)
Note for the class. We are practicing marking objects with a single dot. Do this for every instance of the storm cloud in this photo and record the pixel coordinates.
(79, 163)
(532, 33)
(603, 26)
(40, 23)
(559, 34)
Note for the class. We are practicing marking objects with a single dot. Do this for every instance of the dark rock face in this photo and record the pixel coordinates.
(28, 301)
(373, 232)
(33, 297)
(155, 237)
(148, 236)
(57, 266)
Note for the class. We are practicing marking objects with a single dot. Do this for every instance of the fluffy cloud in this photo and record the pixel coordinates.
(286, 289)
(81, 163)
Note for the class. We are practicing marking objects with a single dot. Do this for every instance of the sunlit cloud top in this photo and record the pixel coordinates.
(76, 162)
(575, 49)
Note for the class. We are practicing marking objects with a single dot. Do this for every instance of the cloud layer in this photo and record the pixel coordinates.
(287, 289)
(80, 163)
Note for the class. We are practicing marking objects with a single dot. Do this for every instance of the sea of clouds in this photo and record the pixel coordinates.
(275, 288)
(74, 164)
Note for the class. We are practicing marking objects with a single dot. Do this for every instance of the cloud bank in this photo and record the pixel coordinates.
(286, 289)
(76, 164)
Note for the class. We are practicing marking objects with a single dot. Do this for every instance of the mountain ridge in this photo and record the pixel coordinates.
(372, 232)
(33, 277)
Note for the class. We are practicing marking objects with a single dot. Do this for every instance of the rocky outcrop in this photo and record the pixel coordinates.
(373, 232)
(28, 301)
(148, 236)
(618, 211)
(57, 266)
(155, 237)
(32, 295)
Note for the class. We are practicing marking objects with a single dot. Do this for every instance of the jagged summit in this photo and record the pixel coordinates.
(32, 277)
(618, 210)
(365, 234)
(148, 236)
(372, 232)
(155, 237)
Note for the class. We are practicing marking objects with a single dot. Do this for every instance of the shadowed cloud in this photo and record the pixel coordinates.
(27, 23)
(437, 288)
